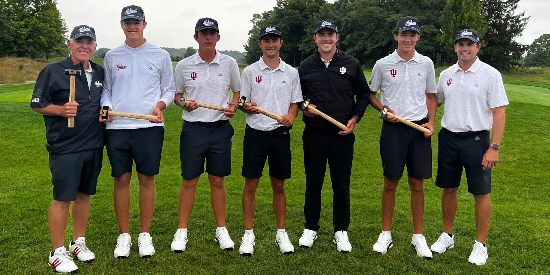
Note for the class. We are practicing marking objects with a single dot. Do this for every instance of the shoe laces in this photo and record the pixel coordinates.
(343, 237)
(222, 233)
(180, 236)
(63, 256)
(283, 237)
(308, 233)
(145, 239)
(420, 242)
(479, 249)
(384, 238)
(444, 239)
(247, 238)
(81, 245)
(122, 242)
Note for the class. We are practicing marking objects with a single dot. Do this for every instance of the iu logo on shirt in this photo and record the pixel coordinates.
(449, 81)
(193, 75)
(120, 67)
(259, 79)
(393, 72)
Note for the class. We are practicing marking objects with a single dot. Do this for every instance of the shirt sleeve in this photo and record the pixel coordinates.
(362, 91)
(107, 84)
(375, 81)
(41, 95)
(246, 88)
(497, 94)
(296, 94)
(167, 85)
(430, 79)
(235, 77)
(440, 92)
(180, 80)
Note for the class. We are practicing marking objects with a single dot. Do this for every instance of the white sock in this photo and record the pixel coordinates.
(279, 230)
(417, 235)
(184, 230)
(387, 232)
(251, 231)
(218, 228)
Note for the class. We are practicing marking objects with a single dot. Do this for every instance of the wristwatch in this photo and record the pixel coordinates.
(495, 146)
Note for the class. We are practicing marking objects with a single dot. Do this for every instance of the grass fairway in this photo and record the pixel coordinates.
(519, 234)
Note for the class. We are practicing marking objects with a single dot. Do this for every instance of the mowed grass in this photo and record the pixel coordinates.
(519, 234)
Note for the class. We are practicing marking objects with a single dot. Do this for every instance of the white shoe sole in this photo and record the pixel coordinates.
(227, 248)
(390, 246)
(437, 252)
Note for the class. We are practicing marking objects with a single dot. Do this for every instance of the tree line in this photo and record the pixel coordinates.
(366, 28)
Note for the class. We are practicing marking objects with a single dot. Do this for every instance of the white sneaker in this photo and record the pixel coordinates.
(61, 261)
(421, 246)
(307, 239)
(342, 241)
(223, 239)
(283, 241)
(145, 244)
(383, 244)
(479, 254)
(180, 241)
(123, 244)
(247, 244)
(443, 243)
(82, 253)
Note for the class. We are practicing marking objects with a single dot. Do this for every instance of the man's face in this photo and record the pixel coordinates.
(82, 48)
(133, 29)
(466, 50)
(326, 40)
(270, 45)
(207, 39)
(406, 41)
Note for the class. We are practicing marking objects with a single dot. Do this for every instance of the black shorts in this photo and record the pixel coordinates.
(210, 141)
(143, 145)
(402, 145)
(273, 145)
(75, 172)
(463, 150)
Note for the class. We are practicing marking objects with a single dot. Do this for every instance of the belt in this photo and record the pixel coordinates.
(465, 134)
(218, 123)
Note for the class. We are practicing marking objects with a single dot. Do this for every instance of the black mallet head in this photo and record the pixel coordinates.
(241, 102)
(105, 113)
(304, 105)
(72, 72)
(384, 112)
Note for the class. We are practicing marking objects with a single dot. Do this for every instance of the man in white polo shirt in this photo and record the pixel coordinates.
(474, 97)
(274, 86)
(406, 80)
(206, 77)
(138, 79)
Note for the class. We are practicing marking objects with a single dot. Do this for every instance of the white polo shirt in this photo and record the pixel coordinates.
(136, 79)
(404, 84)
(208, 84)
(272, 90)
(469, 96)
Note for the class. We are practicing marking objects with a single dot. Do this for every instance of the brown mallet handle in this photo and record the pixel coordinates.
(264, 112)
(412, 124)
(330, 119)
(210, 107)
(71, 98)
(107, 113)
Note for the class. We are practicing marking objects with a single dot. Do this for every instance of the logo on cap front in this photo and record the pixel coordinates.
(467, 33)
(208, 23)
(130, 11)
(84, 29)
(410, 23)
(270, 29)
(326, 23)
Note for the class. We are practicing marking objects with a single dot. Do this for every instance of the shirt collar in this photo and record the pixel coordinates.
(474, 68)
(264, 66)
(199, 60)
(397, 58)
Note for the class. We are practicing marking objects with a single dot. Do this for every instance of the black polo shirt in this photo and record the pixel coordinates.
(52, 87)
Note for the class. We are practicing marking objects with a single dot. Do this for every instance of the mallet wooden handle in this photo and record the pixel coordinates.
(217, 108)
(264, 112)
(412, 124)
(330, 119)
(111, 113)
(71, 98)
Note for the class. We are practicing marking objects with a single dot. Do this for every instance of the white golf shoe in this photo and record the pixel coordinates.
(145, 244)
(180, 241)
(443, 243)
(61, 261)
(342, 241)
(247, 245)
(383, 244)
(123, 244)
(82, 253)
(421, 246)
(308, 238)
(223, 239)
(283, 241)
(479, 254)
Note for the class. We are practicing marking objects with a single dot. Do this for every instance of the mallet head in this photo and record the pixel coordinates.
(241, 102)
(72, 72)
(304, 105)
(105, 113)
(182, 101)
(384, 112)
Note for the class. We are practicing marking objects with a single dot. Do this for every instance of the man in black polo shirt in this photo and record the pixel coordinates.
(332, 80)
(75, 153)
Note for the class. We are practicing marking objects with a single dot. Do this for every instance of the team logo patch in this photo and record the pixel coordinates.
(193, 75)
(410, 23)
(393, 72)
(449, 81)
(98, 84)
(36, 99)
(270, 29)
(343, 70)
(208, 23)
(84, 29)
(120, 67)
(130, 11)
(259, 79)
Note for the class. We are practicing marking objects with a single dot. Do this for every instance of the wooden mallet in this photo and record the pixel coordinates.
(323, 115)
(242, 102)
(106, 113)
(73, 74)
(217, 108)
(384, 113)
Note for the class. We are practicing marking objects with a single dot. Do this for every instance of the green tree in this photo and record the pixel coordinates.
(538, 54)
(189, 52)
(458, 15)
(500, 49)
(101, 52)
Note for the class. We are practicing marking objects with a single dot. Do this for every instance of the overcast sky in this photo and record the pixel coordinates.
(170, 23)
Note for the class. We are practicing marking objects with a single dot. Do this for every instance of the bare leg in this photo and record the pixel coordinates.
(388, 202)
(146, 200)
(187, 200)
(279, 201)
(57, 220)
(217, 198)
(483, 215)
(416, 187)
(122, 201)
(80, 213)
(249, 201)
(449, 203)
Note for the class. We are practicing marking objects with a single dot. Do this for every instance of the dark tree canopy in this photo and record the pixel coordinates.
(538, 54)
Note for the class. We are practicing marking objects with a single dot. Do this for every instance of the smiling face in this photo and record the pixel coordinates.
(406, 41)
(133, 29)
(270, 45)
(82, 49)
(326, 41)
(207, 39)
(466, 50)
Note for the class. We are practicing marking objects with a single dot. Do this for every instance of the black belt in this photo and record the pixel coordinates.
(218, 123)
(466, 134)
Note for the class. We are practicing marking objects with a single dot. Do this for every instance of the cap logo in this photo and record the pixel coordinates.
(208, 23)
(270, 29)
(466, 33)
(130, 11)
(410, 23)
(326, 23)
(84, 29)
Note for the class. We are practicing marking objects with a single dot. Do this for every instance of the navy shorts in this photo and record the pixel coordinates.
(402, 145)
(210, 141)
(144, 146)
(458, 151)
(75, 172)
(271, 145)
